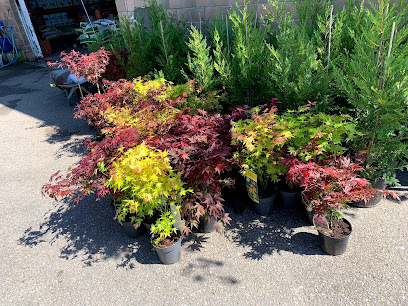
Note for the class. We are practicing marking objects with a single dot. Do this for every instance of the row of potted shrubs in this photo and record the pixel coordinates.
(158, 158)
(168, 155)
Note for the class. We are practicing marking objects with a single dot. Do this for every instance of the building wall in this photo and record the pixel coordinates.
(8, 8)
(192, 10)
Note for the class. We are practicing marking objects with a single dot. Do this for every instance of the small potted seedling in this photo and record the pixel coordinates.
(166, 239)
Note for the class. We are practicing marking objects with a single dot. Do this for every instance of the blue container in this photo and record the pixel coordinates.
(5, 45)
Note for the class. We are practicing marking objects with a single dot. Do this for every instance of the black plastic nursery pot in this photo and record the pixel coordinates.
(147, 226)
(334, 245)
(131, 231)
(380, 184)
(310, 215)
(149, 220)
(169, 255)
(289, 199)
(206, 225)
(265, 205)
(371, 203)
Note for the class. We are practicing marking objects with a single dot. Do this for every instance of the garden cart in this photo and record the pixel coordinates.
(64, 80)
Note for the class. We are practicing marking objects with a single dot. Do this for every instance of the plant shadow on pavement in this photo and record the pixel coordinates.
(88, 232)
(72, 143)
(199, 272)
(195, 241)
(286, 230)
(283, 230)
(25, 88)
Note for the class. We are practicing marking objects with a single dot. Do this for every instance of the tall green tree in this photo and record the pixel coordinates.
(200, 62)
(374, 78)
(298, 67)
(240, 61)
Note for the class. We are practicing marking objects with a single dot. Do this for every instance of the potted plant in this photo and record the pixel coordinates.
(150, 219)
(86, 176)
(198, 146)
(314, 136)
(90, 66)
(373, 78)
(131, 228)
(288, 193)
(127, 113)
(129, 225)
(206, 224)
(380, 185)
(268, 143)
(260, 141)
(146, 181)
(328, 187)
(166, 239)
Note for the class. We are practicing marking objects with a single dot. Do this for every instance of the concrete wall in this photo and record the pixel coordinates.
(192, 10)
(20, 38)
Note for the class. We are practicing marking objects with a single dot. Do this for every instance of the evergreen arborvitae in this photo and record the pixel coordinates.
(240, 61)
(298, 65)
(166, 38)
(222, 61)
(200, 62)
(373, 76)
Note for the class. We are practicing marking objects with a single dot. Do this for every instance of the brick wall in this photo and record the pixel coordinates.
(9, 8)
(192, 10)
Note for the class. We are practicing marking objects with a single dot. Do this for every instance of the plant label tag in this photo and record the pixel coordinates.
(252, 186)
(309, 207)
(320, 223)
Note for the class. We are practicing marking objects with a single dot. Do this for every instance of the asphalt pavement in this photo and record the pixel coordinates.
(62, 253)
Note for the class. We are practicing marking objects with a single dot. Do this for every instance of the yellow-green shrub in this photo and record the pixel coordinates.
(146, 181)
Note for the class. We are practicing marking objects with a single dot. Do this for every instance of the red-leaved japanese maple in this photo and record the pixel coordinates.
(329, 186)
(90, 66)
(131, 99)
(85, 177)
(198, 146)
(93, 107)
(147, 117)
(114, 71)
